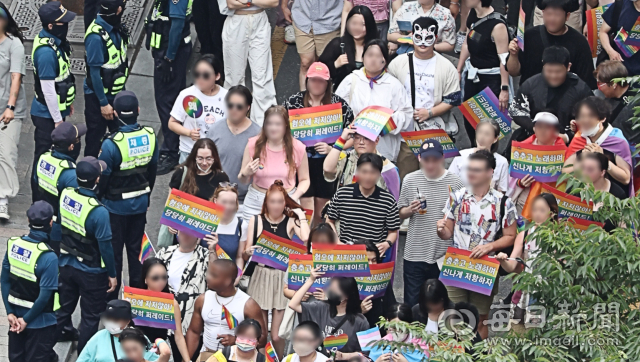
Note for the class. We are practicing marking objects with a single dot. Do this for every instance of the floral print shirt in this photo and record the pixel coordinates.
(477, 221)
(410, 11)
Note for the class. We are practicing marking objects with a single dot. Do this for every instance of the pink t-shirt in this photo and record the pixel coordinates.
(273, 164)
(379, 8)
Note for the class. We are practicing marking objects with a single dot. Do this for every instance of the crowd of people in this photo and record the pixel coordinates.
(234, 147)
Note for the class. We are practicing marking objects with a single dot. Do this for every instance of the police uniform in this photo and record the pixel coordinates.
(51, 62)
(131, 158)
(168, 84)
(86, 255)
(29, 285)
(107, 66)
(56, 171)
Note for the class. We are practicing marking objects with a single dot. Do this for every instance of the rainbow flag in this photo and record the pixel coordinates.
(407, 39)
(270, 353)
(145, 248)
(232, 322)
(336, 342)
(520, 30)
(594, 23)
(374, 121)
(415, 139)
(621, 39)
(483, 106)
(223, 255)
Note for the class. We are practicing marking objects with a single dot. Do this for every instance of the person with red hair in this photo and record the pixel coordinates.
(282, 217)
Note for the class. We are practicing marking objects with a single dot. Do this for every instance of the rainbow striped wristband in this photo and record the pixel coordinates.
(339, 145)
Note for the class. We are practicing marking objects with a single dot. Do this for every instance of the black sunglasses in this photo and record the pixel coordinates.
(155, 278)
(203, 75)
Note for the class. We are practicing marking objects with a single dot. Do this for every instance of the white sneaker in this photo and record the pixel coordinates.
(289, 35)
(4, 212)
(459, 41)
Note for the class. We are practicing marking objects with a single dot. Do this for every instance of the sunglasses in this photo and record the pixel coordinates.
(155, 278)
(237, 106)
(229, 184)
(203, 75)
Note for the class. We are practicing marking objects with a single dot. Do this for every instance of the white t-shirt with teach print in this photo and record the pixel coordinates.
(194, 110)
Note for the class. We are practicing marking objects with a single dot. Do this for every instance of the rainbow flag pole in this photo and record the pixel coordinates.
(271, 353)
(145, 248)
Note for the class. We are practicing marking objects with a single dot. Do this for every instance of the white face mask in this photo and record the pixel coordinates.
(591, 132)
(303, 349)
(203, 170)
(112, 327)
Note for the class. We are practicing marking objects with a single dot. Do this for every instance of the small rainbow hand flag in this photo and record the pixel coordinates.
(232, 322)
(270, 353)
(336, 342)
(145, 248)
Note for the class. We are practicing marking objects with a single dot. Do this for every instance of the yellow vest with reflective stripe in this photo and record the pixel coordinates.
(49, 171)
(65, 81)
(115, 71)
(74, 210)
(162, 23)
(136, 148)
(23, 257)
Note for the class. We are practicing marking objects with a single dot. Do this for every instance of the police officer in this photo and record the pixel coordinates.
(170, 43)
(107, 67)
(131, 157)
(87, 267)
(54, 84)
(29, 286)
(56, 171)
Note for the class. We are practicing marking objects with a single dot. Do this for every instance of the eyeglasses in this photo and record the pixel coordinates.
(237, 106)
(202, 159)
(155, 278)
(228, 184)
(203, 75)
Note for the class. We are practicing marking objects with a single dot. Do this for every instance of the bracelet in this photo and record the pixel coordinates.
(158, 341)
(13, 108)
(339, 145)
(519, 183)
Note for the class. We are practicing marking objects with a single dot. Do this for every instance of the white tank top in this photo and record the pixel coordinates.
(212, 316)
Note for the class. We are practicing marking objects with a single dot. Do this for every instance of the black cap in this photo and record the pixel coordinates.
(40, 214)
(431, 148)
(54, 12)
(89, 168)
(110, 7)
(126, 104)
(118, 309)
(67, 133)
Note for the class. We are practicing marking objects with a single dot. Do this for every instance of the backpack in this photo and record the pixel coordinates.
(511, 30)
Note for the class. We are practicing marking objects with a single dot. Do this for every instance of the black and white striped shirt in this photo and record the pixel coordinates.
(423, 243)
(364, 217)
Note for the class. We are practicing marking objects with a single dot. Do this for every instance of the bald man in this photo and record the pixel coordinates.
(207, 314)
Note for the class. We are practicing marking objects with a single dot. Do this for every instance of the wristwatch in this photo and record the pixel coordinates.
(505, 88)
(390, 243)
(13, 108)
(430, 113)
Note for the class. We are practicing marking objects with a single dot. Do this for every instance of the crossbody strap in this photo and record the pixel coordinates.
(412, 81)
(337, 327)
(113, 348)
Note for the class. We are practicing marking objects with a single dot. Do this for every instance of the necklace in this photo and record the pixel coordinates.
(271, 224)
(234, 295)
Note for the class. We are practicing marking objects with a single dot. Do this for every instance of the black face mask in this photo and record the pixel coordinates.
(60, 31)
(113, 19)
(46, 228)
(333, 298)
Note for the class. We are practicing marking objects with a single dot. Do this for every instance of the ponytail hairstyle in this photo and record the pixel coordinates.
(134, 334)
(289, 204)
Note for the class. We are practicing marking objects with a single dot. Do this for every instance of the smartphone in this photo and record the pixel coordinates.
(404, 26)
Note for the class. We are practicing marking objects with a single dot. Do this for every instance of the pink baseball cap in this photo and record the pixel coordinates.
(318, 70)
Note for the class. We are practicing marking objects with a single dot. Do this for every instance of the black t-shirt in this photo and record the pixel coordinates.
(482, 48)
(619, 193)
(577, 45)
(621, 113)
(207, 184)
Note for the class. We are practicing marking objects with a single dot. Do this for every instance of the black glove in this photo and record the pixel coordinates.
(166, 70)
